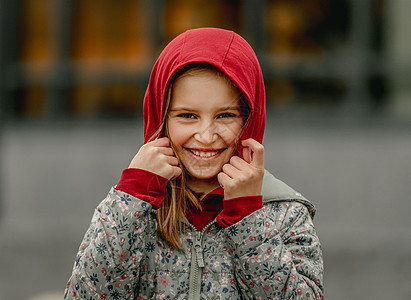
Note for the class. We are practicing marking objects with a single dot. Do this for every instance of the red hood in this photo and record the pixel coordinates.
(224, 49)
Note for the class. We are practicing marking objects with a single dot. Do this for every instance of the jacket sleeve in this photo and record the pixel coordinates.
(277, 254)
(107, 263)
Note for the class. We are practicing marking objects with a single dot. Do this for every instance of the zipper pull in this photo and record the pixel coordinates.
(199, 251)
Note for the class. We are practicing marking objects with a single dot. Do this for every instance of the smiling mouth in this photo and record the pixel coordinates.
(205, 153)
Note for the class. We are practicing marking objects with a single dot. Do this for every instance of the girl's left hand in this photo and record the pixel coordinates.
(244, 177)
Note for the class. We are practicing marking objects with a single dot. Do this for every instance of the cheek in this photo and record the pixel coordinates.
(231, 134)
(178, 135)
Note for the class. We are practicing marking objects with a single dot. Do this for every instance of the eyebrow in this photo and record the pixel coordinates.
(182, 108)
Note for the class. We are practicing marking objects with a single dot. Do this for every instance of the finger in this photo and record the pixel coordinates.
(166, 151)
(247, 154)
(160, 142)
(172, 160)
(155, 150)
(238, 162)
(257, 152)
(177, 172)
(230, 170)
(223, 179)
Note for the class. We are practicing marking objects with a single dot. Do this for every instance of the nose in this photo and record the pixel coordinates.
(207, 133)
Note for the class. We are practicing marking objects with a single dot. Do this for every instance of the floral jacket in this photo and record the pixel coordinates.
(274, 253)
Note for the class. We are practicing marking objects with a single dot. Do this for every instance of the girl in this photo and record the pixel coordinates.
(196, 216)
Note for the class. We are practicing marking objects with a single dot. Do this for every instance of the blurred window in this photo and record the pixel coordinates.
(92, 58)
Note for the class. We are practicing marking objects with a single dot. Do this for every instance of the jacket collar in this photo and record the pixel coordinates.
(274, 190)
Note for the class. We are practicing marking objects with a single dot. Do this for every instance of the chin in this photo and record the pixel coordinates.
(203, 174)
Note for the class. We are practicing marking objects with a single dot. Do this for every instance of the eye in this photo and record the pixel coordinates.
(226, 115)
(187, 116)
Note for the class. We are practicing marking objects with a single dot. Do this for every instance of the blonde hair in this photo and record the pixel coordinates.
(171, 216)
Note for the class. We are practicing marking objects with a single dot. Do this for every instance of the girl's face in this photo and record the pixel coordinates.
(204, 122)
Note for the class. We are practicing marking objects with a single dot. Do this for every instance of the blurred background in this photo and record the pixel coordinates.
(338, 79)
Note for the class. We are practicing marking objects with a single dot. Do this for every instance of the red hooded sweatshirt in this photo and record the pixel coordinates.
(232, 55)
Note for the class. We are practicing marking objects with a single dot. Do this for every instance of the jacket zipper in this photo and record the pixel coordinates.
(197, 263)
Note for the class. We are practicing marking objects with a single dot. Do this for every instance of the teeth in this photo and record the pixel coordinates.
(204, 154)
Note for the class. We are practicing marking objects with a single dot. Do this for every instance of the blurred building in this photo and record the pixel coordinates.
(92, 58)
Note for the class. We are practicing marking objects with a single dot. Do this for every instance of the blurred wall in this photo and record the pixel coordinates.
(399, 52)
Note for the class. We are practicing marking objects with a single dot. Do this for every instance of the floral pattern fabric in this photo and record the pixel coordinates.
(273, 253)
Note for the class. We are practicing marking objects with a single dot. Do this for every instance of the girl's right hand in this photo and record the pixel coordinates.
(157, 157)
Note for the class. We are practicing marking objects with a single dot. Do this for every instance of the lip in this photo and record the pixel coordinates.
(204, 154)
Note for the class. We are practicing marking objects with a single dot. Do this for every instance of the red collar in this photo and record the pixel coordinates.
(218, 191)
(212, 204)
